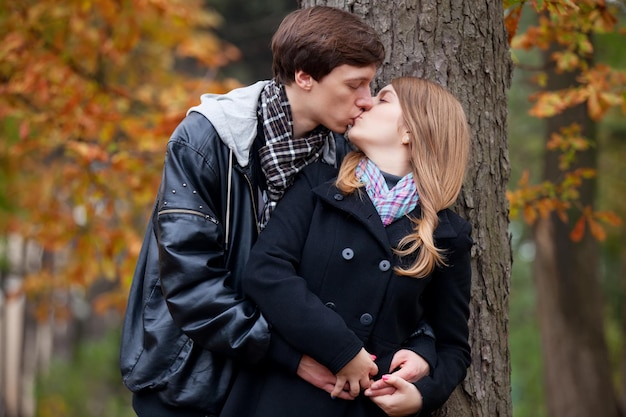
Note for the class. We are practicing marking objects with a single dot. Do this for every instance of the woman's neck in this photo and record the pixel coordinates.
(391, 163)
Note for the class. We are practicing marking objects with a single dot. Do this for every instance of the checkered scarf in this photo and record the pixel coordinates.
(390, 204)
(283, 157)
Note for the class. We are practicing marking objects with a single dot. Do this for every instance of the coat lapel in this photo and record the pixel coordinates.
(361, 208)
(358, 205)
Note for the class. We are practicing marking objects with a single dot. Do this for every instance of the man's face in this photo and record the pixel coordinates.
(340, 97)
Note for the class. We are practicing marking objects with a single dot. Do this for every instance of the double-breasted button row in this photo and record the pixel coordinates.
(348, 254)
(366, 319)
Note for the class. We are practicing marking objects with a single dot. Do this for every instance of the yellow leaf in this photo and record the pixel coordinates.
(609, 217)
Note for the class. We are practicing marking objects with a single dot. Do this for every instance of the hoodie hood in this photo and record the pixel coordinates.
(234, 117)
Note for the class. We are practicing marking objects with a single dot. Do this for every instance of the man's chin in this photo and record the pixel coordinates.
(343, 129)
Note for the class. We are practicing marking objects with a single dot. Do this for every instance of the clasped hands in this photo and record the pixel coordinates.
(394, 393)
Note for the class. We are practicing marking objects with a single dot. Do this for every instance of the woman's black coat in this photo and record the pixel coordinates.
(322, 273)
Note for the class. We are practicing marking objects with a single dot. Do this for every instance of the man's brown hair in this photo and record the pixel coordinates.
(318, 39)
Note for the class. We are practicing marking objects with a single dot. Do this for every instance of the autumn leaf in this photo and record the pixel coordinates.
(88, 99)
(608, 217)
(576, 235)
(566, 61)
(511, 20)
(530, 214)
(596, 230)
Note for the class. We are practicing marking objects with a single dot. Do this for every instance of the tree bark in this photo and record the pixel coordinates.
(576, 366)
(462, 44)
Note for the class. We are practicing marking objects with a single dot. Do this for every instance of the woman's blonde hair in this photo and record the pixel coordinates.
(439, 148)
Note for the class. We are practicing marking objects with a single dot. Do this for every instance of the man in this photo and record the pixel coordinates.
(187, 326)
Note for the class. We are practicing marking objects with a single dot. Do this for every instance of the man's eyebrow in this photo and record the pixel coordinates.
(359, 79)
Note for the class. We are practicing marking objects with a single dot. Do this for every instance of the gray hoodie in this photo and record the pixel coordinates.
(234, 116)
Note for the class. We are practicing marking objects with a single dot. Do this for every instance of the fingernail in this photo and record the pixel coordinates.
(332, 397)
(385, 377)
(373, 357)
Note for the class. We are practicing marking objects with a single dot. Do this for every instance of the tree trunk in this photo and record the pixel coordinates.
(576, 365)
(12, 337)
(462, 44)
(622, 392)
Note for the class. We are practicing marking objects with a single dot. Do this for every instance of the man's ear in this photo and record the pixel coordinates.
(303, 80)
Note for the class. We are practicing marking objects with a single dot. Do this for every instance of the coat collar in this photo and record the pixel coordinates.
(361, 207)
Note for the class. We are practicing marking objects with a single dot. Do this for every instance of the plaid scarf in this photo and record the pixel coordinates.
(390, 204)
(283, 157)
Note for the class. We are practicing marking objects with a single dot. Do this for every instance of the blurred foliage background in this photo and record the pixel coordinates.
(89, 93)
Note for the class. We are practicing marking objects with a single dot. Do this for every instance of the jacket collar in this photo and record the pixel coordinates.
(234, 116)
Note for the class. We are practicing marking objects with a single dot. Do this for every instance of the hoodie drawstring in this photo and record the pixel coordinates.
(228, 199)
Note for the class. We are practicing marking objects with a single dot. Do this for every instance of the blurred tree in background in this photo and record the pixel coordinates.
(249, 25)
(579, 93)
(89, 93)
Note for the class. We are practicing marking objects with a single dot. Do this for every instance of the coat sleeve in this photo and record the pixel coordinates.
(422, 342)
(272, 281)
(446, 308)
(192, 271)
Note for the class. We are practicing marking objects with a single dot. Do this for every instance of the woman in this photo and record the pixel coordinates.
(352, 261)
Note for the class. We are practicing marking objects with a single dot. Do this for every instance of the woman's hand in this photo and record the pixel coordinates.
(405, 399)
(355, 375)
(410, 366)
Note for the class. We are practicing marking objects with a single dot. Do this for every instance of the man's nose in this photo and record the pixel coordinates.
(365, 101)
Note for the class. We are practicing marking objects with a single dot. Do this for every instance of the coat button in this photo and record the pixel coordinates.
(338, 197)
(366, 319)
(331, 305)
(384, 265)
(347, 254)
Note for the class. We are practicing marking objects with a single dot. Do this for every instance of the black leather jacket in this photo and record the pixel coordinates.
(180, 331)
(187, 326)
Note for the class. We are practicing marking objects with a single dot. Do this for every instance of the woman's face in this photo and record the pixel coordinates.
(380, 126)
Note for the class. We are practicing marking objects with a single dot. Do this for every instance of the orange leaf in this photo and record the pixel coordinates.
(530, 214)
(579, 230)
(609, 217)
(597, 230)
(511, 21)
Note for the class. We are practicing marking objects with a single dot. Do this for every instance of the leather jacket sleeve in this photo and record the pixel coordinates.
(197, 285)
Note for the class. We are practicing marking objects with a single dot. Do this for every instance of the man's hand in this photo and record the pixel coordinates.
(319, 376)
(405, 400)
(410, 366)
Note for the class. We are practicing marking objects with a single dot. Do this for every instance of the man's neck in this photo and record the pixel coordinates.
(302, 122)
